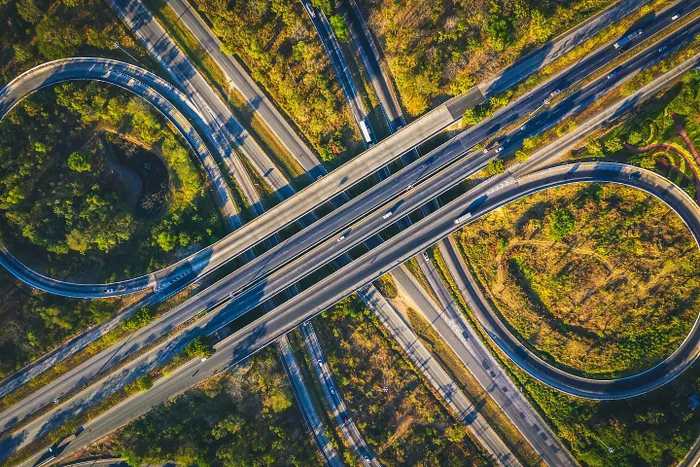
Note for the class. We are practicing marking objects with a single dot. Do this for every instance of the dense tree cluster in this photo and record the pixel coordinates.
(56, 189)
(437, 48)
(35, 31)
(278, 43)
(247, 418)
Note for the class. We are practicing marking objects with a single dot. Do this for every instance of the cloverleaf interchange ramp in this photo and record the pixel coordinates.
(325, 189)
(450, 152)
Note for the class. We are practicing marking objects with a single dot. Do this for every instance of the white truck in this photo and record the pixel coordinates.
(463, 218)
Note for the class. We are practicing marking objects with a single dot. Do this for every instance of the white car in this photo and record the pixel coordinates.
(203, 359)
(675, 17)
(387, 215)
(499, 149)
(341, 238)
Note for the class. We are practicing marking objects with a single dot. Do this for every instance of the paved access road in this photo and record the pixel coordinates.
(252, 276)
(337, 406)
(313, 421)
(367, 163)
(239, 79)
(340, 66)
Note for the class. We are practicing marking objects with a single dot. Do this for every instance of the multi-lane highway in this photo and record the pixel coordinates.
(292, 313)
(250, 273)
(376, 157)
(238, 78)
(502, 190)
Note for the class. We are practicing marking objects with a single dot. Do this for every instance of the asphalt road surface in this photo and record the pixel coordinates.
(238, 78)
(248, 274)
(340, 412)
(313, 421)
(376, 157)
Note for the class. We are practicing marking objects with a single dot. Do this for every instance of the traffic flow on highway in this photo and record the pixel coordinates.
(324, 243)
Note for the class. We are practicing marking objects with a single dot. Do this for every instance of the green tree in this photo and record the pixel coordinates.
(561, 223)
(200, 347)
(340, 28)
(496, 166)
(613, 145)
(80, 162)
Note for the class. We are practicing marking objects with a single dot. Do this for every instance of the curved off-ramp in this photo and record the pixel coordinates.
(175, 107)
(600, 389)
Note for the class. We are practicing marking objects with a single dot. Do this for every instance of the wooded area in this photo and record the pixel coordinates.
(65, 190)
(439, 49)
(280, 46)
(35, 31)
(405, 423)
(247, 417)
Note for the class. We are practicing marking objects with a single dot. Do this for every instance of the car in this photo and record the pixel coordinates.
(612, 74)
(486, 150)
(387, 215)
(320, 362)
(310, 9)
(331, 389)
(367, 458)
(425, 256)
(110, 290)
(635, 175)
(551, 94)
(341, 238)
(203, 359)
(499, 149)
(523, 128)
(663, 48)
(345, 418)
(319, 177)
(676, 16)
(56, 401)
(409, 187)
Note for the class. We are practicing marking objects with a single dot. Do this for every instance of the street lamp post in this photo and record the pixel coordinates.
(117, 46)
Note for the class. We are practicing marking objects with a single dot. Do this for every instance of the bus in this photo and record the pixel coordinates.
(627, 39)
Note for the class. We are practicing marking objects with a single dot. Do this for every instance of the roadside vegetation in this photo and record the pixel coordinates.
(35, 31)
(96, 186)
(404, 425)
(34, 322)
(597, 279)
(437, 49)
(279, 45)
(652, 430)
(663, 136)
(245, 417)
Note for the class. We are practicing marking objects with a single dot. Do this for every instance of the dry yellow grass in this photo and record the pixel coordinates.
(613, 297)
